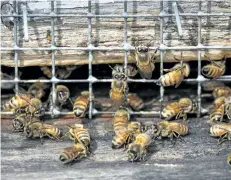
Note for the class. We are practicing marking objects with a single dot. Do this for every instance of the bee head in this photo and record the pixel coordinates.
(18, 124)
(142, 49)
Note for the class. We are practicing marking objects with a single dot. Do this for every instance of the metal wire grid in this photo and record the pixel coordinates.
(126, 47)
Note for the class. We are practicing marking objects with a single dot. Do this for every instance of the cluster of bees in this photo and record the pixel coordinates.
(135, 137)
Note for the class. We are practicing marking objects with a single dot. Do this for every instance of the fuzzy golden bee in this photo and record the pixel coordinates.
(175, 75)
(215, 69)
(170, 130)
(120, 124)
(73, 153)
(222, 131)
(118, 90)
(81, 104)
(135, 101)
(229, 159)
(145, 61)
(34, 129)
(137, 150)
(222, 91)
(179, 109)
(79, 134)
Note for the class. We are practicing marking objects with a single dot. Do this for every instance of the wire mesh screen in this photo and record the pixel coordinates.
(125, 47)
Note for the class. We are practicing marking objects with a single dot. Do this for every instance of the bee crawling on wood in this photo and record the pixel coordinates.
(137, 150)
(35, 128)
(215, 69)
(170, 130)
(221, 130)
(179, 109)
(73, 153)
(79, 134)
(175, 75)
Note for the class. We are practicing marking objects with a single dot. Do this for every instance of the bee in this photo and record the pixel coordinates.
(187, 105)
(35, 129)
(119, 70)
(221, 130)
(34, 108)
(170, 130)
(211, 85)
(229, 159)
(222, 91)
(221, 107)
(137, 150)
(120, 124)
(73, 153)
(215, 69)
(135, 101)
(118, 90)
(175, 75)
(17, 103)
(81, 104)
(37, 89)
(19, 122)
(79, 134)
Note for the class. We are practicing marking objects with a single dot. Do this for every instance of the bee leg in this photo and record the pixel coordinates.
(223, 138)
(41, 137)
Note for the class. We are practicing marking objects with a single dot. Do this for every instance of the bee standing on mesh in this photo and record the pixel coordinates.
(170, 130)
(79, 134)
(73, 153)
(145, 61)
(137, 150)
(81, 104)
(215, 69)
(174, 75)
(222, 131)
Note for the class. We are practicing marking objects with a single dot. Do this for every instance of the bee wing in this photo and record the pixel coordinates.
(145, 75)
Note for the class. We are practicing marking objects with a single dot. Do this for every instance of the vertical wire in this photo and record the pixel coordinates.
(199, 64)
(90, 58)
(161, 55)
(16, 45)
(53, 57)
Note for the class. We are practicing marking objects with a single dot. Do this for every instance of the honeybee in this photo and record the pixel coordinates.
(221, 130)
(18, 103)
(118, 90)
(119, 70)
(79, 134)
(81, 104)
(37, 89)
(179, 109)
(221, 107)
(222, 91)
(135, 101)
(19, 122)
(120, 124)
(215, 69)
(35, 129)
(73, 153)
(229, 159)
(175, 75)
(137, 150)
(170, 129)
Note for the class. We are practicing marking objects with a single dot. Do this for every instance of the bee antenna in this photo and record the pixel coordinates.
(111, 67)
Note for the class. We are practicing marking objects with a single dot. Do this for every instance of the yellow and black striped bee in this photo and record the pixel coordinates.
(215, 69)
(222, 91)
(34, 129)
(81, 104)
(79, 134)
(175, 75)
(222, 131)
(135, 101)
(179, 109)
(229, 159)
(145, 61)
(170, 130)
(120, 124)
(137, 150)
(73, 153)
(118, 90)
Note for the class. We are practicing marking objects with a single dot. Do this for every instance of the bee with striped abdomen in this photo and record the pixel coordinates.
(73, 153)
(118, 90)
(215, 69)
(222, 131)
(81, 104)
(170, 130)
(137, 150)
(222, 91)
(34, 129)
(229, 159)
(187, 105)
(79, 134)
(135, 101)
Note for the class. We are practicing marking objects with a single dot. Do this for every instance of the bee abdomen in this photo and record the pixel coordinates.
(217, 130)
(119, 140)
(80, 106)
